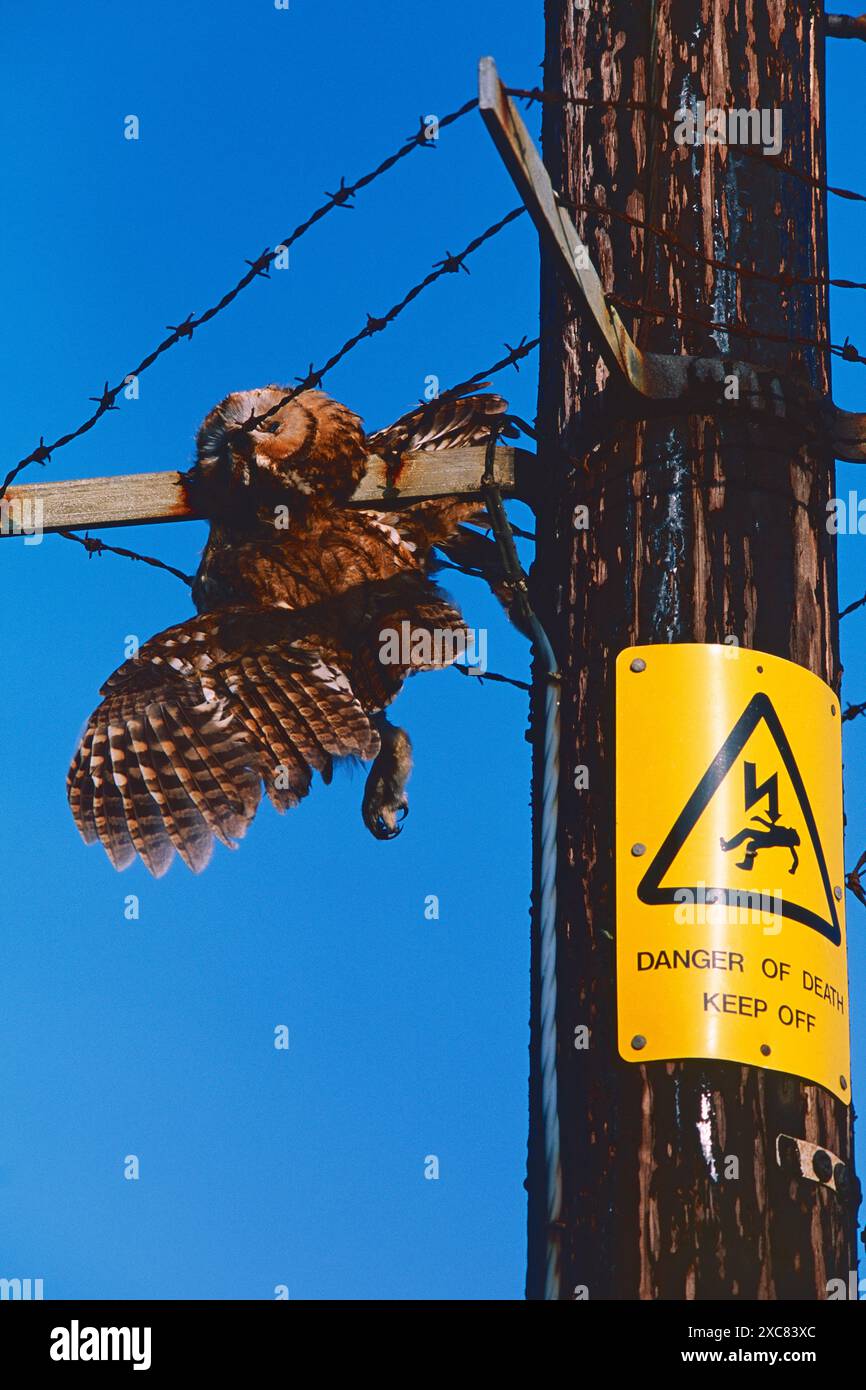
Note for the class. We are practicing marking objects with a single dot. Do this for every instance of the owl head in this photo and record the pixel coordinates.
(255, 449)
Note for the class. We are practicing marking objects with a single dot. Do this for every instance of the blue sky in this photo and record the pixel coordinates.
(154, 1037)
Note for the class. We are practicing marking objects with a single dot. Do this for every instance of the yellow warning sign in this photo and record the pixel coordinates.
(730, 922)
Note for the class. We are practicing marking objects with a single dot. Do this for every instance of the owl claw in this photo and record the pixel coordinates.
(384, 819)
(386, 804)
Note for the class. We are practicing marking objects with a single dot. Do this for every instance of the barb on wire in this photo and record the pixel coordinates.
(853, 711)
(449, 266)
(97, 547)
(513, 357)
(258, 268)
(848, 352)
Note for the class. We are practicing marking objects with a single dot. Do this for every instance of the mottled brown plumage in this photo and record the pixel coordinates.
(281, 672)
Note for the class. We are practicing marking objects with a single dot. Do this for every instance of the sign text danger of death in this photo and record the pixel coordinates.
(730, 923)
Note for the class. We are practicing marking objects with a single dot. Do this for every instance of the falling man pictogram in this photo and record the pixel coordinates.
(773, 836)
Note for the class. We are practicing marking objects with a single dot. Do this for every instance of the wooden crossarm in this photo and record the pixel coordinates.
(136, 499)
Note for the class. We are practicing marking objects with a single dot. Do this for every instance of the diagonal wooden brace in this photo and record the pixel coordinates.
(697, 384)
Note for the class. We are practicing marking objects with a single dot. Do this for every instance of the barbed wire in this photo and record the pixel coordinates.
(846, 350)
(669, 116)
(783, 278)
(512, 358)
(514, 355)
(258, 268)
(97, 547)
(449, 265)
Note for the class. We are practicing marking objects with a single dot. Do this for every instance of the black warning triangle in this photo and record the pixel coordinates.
(649, 889)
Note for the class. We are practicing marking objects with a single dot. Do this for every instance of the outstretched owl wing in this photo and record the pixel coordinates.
(452, 422)
(176, 753)
(215, 708)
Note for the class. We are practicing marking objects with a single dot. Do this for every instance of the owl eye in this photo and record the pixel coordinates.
(269, 427)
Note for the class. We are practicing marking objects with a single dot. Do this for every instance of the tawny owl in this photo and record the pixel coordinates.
(282, 671)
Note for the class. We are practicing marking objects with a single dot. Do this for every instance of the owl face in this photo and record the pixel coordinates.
(309, 448)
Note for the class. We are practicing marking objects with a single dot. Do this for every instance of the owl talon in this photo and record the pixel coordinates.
(384, 819)
(386, 805)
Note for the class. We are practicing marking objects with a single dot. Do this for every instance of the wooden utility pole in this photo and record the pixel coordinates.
(701, 527)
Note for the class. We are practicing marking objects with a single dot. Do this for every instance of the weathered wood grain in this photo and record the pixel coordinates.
(134, 499)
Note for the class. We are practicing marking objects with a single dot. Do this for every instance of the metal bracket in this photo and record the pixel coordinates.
(695, 383)
(806, 1160)
(845, 26)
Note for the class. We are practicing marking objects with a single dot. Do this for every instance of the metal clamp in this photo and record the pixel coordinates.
(806, 1160)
